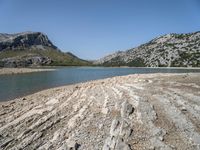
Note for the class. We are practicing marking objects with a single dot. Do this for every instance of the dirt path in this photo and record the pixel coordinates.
(153, 111)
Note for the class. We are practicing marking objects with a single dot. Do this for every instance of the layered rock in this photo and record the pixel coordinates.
(153, 111)
(120, 130)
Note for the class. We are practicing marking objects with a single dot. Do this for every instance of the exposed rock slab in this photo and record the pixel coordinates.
(153, 111)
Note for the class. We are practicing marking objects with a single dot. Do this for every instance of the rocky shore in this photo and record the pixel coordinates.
(21, 70)
(152, 111)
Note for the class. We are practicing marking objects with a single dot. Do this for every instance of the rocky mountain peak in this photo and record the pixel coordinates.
(24, 40)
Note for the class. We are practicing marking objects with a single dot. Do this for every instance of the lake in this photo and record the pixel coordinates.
(13, 86)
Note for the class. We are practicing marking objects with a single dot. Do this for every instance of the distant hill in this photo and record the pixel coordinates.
(33, 49)
(171, 50)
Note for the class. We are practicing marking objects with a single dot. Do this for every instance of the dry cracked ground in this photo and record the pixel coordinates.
(153, 111)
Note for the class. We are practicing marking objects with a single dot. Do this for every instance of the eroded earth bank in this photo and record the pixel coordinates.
(152, 111)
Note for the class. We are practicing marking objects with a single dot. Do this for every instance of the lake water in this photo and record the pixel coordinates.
(12, 86)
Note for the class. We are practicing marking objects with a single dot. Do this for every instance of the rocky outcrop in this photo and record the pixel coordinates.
(120, 130)
(26, 62)
(171, 50)
(24, 40)
(153, 112)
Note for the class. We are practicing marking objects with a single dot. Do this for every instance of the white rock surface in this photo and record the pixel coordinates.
(153, 111)
(171, 50)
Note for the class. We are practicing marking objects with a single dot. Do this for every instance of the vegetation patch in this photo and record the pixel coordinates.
(138, 62)
(58, 58)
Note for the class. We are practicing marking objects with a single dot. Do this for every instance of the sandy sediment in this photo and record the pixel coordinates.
(152, 111)
(21, 70)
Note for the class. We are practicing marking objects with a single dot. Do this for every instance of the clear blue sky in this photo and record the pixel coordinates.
(93, 28)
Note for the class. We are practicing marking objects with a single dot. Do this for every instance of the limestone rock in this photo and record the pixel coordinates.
(70, 117)
(126, 109)
(25, 39)
(115, 127)
(72, 145)
(170, 50)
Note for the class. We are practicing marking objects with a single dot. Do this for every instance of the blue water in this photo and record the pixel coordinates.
(12, 86)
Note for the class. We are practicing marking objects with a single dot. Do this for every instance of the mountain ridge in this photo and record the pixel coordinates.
(33, 49)
(169, 50)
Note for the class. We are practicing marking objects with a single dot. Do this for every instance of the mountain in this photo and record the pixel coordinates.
(170, 50)
(33, 49)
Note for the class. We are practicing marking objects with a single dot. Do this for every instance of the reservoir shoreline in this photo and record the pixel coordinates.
(21, 84)
(11, 71)
(158, 107)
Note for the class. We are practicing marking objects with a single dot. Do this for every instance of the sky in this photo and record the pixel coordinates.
(92, 29)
